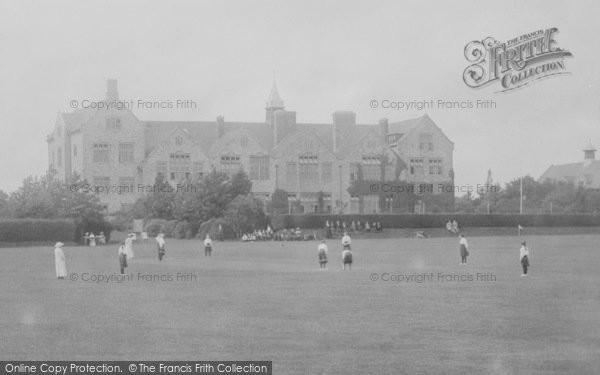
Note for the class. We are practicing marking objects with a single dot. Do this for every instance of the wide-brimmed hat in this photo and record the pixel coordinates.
(59, 244)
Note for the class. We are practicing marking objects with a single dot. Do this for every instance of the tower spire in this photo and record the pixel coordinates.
(274, 103)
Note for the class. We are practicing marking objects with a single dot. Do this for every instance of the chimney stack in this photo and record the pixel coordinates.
(384, 129)
(220, 126)
(112, 93)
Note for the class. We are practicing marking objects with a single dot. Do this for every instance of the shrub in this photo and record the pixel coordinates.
(18, 230)
(181, 230)
(211, 227)
(169, 228)
(154, 226)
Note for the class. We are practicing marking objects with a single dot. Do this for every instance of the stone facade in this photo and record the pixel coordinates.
(321, 166)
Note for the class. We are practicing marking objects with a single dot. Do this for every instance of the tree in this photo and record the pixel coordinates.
(4, 212)
(240, 184)
(245, 214)
(279, 202)
(156, 204)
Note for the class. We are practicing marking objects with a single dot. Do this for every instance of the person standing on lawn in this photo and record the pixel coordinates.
(207, 246)
(524, 257)
(322, 249)
(160, 240)
(59, 261)
(464, 249)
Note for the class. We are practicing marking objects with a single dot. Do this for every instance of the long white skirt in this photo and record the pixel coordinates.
(59, 263)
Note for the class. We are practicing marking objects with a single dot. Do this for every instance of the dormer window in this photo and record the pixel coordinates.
(113, 123)
(392, 139)
(179, 140)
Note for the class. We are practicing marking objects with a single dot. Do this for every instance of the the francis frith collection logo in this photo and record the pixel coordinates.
(515, 63)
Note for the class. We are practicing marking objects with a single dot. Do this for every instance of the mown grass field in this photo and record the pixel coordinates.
(270, 301)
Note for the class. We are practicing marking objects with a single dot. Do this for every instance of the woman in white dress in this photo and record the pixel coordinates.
(59, 261)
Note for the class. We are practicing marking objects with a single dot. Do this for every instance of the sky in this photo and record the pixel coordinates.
(325, 55)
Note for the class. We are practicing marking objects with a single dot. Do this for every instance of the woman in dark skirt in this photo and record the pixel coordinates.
(464, 249)
(347, 252)
(524, 256)
(347, 259)
(322, 255)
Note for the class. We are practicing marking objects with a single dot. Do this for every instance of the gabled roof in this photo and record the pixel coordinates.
(282, 146)
(205, 132)
(404, 127)
(163, 140)
(563, 172)
(232, 133)
(323, 131)
(202, 132)
(349, 143)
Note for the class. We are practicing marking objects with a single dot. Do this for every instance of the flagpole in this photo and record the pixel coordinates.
(521, 205)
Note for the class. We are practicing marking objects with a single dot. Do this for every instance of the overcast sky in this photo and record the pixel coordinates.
(327, 55)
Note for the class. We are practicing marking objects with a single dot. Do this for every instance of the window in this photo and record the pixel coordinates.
(326, 172)
(125, 152)
(101, 153)
(259, 168)
(162, 168)
(59, 154)
(371, 204)
(291, 176)
(354, 167)
(416, 166)
(424, 188)
(179, 165)
(354, 204)
(309, 168)
(198, 169)
(179, 140)
(230, 164)
(244, 141)
(74, 150)
(426, 142)
(371, 166)
(113, 123)
(308, 144)
(101, 184)
(435, 166)
(126, 185)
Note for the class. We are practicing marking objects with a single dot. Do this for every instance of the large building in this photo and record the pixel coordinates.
(584, 174)
(328, 167)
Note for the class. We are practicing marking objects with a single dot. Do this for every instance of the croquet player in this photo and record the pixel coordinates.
(207, 246)
(322, 249)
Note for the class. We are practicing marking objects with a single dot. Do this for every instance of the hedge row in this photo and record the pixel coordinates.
(437, 220)
(18, 230)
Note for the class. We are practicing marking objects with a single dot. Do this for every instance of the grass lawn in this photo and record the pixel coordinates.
(270, 301)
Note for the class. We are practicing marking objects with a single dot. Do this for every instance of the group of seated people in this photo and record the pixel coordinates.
(355, 226)
(293, 235)
(452, 226)
(258, 235)
(90, 239)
